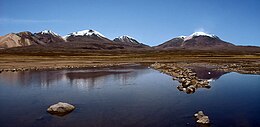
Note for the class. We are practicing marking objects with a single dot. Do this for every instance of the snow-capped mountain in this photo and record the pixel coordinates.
(126, 39)
(48, 32)
(89, 33)
(130, 41)
(27, 38)
(48, 36)
(197, 34)
(197, 40)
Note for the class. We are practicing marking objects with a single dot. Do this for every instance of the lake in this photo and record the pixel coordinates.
(130, 96)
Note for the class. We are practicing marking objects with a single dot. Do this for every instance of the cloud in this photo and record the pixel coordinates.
(200, 30)
(8, 20)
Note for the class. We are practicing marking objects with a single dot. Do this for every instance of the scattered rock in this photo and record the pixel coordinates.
(201, 118)
(60, 109)
(188, 80)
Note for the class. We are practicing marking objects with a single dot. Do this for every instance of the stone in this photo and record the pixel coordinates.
(201, 118)
(199, 114)
(60, 109)
(187, 83)
(190, 90)
(174, 78)
(194, 82)
(180, 88)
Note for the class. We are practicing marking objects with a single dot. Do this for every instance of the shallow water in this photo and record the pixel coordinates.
(133, 96)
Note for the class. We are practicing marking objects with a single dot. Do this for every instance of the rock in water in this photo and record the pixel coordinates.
(60, 109)
(201, 118)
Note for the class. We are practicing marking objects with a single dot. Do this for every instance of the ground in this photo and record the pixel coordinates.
(238, 62)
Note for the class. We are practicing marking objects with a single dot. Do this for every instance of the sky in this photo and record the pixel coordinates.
(149, 21)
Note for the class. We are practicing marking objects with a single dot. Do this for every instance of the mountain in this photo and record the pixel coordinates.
(48, 36)
(127, 40)
(18, 39)
(27, 38)
(87, 39)
(197, 40)
(85, 36)
(91, 39)
(13, 40)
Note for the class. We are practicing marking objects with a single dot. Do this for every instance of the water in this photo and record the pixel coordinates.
(132, 96)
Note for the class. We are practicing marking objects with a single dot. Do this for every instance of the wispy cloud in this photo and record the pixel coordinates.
(9, 20)
(200, 30)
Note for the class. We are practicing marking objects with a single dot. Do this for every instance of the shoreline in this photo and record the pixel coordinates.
(237, 63)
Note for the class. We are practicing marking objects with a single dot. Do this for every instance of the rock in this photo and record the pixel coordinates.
(60, 109)
(190, 90)
(193, 82)
(186, 84)
(174, 78)
(180, 88)
(199, 114)
(201, 118)
(13, 70)
(182, 80)
(192, 74)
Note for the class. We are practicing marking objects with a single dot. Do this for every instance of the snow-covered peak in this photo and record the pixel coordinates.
(201, 34)
(87, 33)
(48, 32)
(182, 37)
(126, 38)
(196, 34)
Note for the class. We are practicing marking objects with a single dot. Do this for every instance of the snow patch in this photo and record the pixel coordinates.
(125, 37)
(182, 37)
(48, 32)
(87, 33)
(196, 34)
(201, 34)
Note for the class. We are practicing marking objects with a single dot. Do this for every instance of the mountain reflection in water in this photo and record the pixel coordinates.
(85, 79)
(207, 72)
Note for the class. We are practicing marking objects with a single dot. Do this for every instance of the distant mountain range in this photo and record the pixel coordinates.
(93, 40)
(85, 39)
(27, 38)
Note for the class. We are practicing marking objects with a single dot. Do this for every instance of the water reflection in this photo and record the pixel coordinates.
(207, 73)
(31, 78)
(83, 79)
(97, 78)
(202, 78)
(153, 101)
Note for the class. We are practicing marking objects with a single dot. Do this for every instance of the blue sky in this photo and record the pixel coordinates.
(149, 21)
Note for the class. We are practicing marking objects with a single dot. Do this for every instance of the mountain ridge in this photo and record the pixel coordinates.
(197, 40)
(94, 40)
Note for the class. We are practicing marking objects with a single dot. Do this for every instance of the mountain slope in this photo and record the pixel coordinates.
(127, 40)
(197, 40)
(86, 36)
(27, 38)
(13, 40)
(48, 36)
